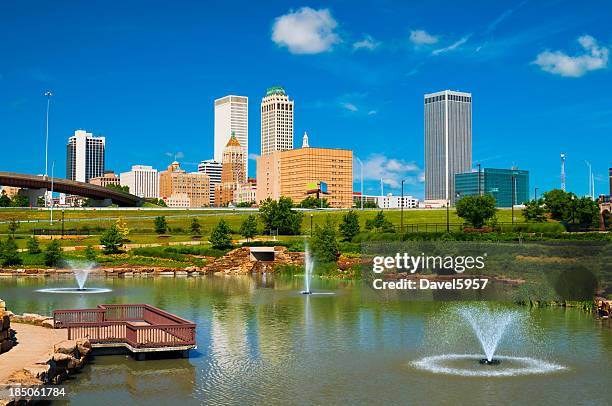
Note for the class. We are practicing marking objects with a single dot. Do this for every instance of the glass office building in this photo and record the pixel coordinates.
(495, 182)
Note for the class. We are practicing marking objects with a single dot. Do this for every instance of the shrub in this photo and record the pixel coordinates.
(324, 243)
(112, 241)
(160, 225)
(248, 228)
(220, 235)
(9, 253)
(196, 229)
(53, 253)
(90, 253)
(33, 246)
(476, 210)
(349, 227)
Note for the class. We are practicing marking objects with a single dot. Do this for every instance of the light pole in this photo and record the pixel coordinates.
(311, 225)
(361, 165)
(48, 95)
(448, 216)
(402, 209)
(52, 171)
(479, 192)
(535, 194)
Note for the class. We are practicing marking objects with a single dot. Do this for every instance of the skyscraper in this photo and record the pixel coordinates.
(232, 172)
(213, 169)
(232, 117)
(85, 156)
(448, 142)
(142, 180)
(276, 121)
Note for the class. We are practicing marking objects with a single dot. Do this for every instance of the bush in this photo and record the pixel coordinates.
(324, 243)
(476, 210)
(90, 253)
(9, 253)
(196, 229)
(349, 227)
(279, 216)
(33, 246)
(112, 241)
(380, 223)
(248, 228)
(53, 253)
(160, 225)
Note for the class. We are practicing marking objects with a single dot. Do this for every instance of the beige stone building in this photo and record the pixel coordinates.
(182, 189)
(109, 178)
(232, 172)
(292, 173)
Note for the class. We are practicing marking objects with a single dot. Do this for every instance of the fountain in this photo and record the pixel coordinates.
(489, 325)
(81, 271)
(308, 267)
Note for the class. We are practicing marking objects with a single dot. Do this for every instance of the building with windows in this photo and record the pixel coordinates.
(246, 192)
(292, 173)
(142, 180)
(232, 172)
(502, 184)
(182, 189)
(276, 121)
(386, 202)
(109, 178)
(85, 156)
(448, 142)
(232, 117)
(213, 169)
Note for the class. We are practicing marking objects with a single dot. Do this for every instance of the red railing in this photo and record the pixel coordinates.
(139, 325)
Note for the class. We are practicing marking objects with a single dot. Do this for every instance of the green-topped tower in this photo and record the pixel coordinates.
(276, 121)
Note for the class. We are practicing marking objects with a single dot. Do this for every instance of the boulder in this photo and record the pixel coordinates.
(47, 323)
(68, 347)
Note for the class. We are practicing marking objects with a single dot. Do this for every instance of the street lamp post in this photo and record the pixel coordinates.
(448, 216)
(402, 209)
(62, 223)
(361, 174)
(535, 194)
(311, 225)
(52, 171)
(48, 95)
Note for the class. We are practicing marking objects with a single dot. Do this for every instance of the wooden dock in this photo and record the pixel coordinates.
(138, 328)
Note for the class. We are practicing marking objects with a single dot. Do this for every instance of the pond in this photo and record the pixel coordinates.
(261, 342)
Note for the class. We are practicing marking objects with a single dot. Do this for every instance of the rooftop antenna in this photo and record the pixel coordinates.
(591, 180)
(563, 171)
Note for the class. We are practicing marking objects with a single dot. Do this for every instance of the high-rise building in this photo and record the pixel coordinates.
(109, 178)
(232, 117)
(181, 189)
(213, 169)
(448, 142)
(276, 121)
(84, 156)
(142, 180)
(246, 192)
(297, 172)
(232, 172)
(497, 183)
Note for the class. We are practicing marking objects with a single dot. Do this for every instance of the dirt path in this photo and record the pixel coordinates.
(34, 343)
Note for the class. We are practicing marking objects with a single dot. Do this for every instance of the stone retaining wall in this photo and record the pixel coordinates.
(7, 336)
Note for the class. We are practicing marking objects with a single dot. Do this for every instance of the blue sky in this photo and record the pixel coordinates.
(145, 74)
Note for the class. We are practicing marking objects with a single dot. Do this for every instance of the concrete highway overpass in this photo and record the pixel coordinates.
(70, 187)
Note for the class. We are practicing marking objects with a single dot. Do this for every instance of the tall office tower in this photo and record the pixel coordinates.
(232, 172)
(276, 121)
(142, 180)
(84, 156)
(448, 142)
(232, 117)
(213, 169)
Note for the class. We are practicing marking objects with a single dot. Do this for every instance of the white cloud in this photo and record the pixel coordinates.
(305, 31)
(422, 37)
(253, 156)
(594, 57)
(368, 43)
(349, 106)
(175, 155)
(390, 170)
(372, 112)
(452, 46)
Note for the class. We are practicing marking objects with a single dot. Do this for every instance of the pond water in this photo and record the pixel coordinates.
(261, 342)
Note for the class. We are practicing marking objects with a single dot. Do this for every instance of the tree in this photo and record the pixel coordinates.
(122, 228)
(349, 227)
(90, 253)
(245, 204)
(160, 225)
(10, 253)
(20, 201)
(196, 229)
(111, 240)
(380, 223)
(476, 210)
(582, 210)
(312, 202)
(53, 253)
(556, 202)
(278, 215)
(120, 188)
(220, 235)
(5, 201)
(534, 211)
(248, 228)
(33, 246)
(324, 242)
(40, 201)
(13, 226)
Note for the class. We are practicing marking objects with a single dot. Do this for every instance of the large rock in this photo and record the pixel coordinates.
(84, 346)
(68, 347)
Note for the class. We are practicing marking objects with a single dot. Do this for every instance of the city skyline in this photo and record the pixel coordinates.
(343, 99)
